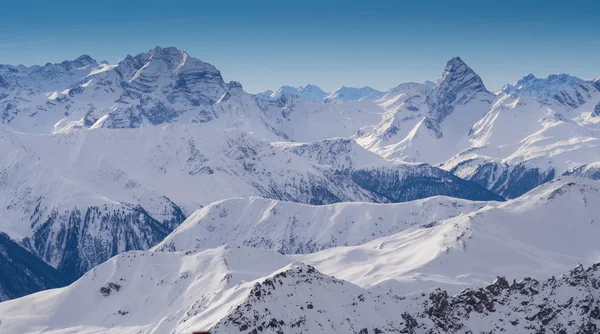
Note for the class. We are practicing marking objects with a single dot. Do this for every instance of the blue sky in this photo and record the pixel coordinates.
(266, 44)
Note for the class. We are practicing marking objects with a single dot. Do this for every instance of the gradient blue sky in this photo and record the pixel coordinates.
(266, 44)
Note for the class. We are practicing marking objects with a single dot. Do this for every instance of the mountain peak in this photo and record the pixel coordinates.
(312, 88)
(458, 72)
(456, 61)
(459, 84)
(85, 59)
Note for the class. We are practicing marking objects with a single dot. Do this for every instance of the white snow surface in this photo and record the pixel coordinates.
(297, 228)
(227, 287)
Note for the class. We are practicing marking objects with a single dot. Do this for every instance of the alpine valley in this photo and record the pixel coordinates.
(152, 196)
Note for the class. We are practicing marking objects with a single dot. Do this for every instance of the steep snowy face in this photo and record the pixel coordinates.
(521, 144)
(354, 94)
(458, 86)
(562, 92)
(292, 228)
(337, 153)
(394, 181)
(24, 273)
(405, 107)
(159, 86)
(425, 124)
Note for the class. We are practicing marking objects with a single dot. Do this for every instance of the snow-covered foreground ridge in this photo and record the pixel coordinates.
(220, 270)
(247, 290)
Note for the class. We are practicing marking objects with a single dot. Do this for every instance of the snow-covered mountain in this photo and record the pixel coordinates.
(430, 124)
(543, 88)
(509, 143)
(564, 89)
(248, 289)
(214, 208)
(112, 158)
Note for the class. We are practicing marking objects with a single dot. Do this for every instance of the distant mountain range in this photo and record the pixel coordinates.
(314, 93)
(176, 201)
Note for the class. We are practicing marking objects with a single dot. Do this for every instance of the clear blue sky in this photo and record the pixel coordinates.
(266, 44)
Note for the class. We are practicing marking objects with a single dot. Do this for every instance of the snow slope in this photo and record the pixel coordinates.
(250, 291)
(542, 233)
(145, 292)
(292, 228)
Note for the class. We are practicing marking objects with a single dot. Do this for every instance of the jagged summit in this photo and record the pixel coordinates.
(169, 60)
(543, 88)
(459, 85)
(459, 75)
